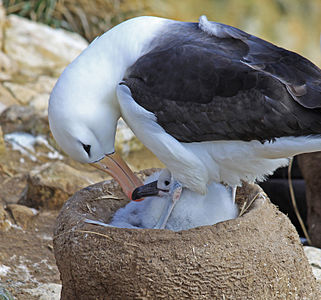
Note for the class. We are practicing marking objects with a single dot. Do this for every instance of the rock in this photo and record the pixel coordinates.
(46, 291)
(5, 223)
(22, 215)
(22, 93)
(34, 148)
(51, 184)
(40, 49)
(255, 256)
(43, 84)
(2, 22)
(40, 103)
(24, 118)
(12, 188)
(4, 294)
(310, 167)
(6, 98)
(8, 67)
(2, 144)
(43, 87)
(314, 256)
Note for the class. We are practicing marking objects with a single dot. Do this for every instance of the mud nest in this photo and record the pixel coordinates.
(255, 256)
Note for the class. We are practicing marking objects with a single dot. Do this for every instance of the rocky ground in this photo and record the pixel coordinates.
(35, 177)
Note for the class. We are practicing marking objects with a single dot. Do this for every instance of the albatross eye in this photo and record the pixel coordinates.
(164, 180)
(86, 148)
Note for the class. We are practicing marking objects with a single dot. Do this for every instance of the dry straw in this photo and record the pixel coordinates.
(295, 207)
(86, 17)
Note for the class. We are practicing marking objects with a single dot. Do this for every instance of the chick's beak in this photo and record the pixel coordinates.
(147, 190)
(115, 166)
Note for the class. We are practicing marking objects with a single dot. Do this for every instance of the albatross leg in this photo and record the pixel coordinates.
(175, 195)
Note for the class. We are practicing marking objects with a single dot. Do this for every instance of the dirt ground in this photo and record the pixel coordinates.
(29, 255)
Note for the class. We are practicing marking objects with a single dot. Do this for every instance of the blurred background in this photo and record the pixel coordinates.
(38, 39)
(293, 24)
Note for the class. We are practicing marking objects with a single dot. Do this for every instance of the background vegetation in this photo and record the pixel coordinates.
(293, 24)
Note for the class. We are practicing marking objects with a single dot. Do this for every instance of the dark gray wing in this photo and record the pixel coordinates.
(223, 84)
(301, 77)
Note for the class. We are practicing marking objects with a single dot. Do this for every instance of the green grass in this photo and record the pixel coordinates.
(89, 18)
(36, 10)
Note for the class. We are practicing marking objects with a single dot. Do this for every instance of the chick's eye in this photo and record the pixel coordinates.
(87, 148)
(167, 182)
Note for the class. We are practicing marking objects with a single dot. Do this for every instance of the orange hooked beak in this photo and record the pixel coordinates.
(115, 166)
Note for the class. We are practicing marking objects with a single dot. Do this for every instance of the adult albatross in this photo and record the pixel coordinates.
(212, 102)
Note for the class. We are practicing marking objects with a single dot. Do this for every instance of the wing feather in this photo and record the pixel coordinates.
(220, 84)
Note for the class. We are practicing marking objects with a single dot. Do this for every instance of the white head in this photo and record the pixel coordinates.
(83, 106)
(157, 184)
(83, 110)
